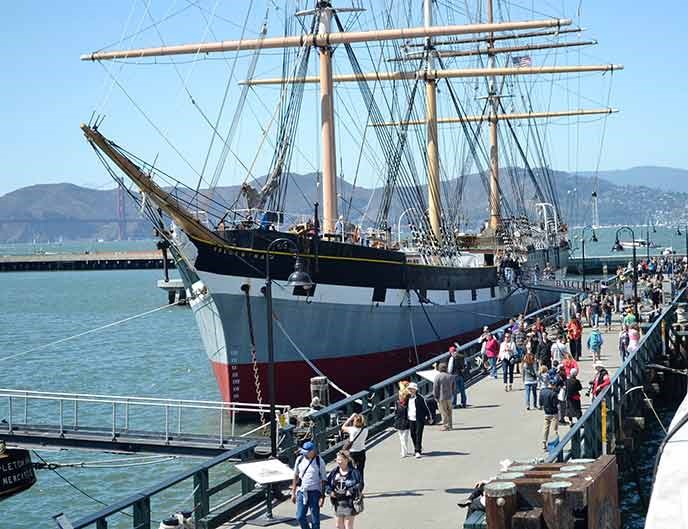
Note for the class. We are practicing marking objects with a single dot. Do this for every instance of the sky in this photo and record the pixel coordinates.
(46, 92)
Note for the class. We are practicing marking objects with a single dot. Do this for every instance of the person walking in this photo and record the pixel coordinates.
(492, 353)
(569, 363)
(595, 311)
(573, 399)
(624, 342)
(560, 385)
(595, 341)
(401, 421)
(558, 350)
(444, 391)
(507, 354)
(456, 368)
(417, 414)
(307, 486)
(355, 427)
(543, 381)
(544, 351)
(574, 331)
(608, 309)
(344, 487)
(548, 401)
(633, 337)
(530, 379)
(601, 380)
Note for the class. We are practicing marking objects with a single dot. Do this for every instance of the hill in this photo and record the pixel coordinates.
(50, 211)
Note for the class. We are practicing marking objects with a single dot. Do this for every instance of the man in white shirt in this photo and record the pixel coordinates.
(308, 485)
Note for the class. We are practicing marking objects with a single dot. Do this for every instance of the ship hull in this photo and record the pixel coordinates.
(352, 331)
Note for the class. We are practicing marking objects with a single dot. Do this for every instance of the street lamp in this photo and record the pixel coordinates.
(298, 278)
(593, 239)
(678, 232)
(617, 246)
(647, 242)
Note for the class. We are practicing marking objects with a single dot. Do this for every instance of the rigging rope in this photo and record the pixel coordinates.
(90, 331)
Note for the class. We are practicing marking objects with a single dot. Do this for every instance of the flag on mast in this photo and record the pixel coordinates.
(522, 61)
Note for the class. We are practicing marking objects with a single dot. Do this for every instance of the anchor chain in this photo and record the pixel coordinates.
(254, 359)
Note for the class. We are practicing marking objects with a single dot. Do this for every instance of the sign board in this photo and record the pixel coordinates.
(667, 290)
(430, 374)
(16, 472)
(268, 471)
(628, 290)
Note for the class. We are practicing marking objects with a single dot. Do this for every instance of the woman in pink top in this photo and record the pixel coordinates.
(569, 363)
(633, 337)
(491, 351)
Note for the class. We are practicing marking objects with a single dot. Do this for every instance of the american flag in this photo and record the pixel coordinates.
(522, 61)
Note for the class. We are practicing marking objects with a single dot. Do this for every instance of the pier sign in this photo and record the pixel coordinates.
(16, 472)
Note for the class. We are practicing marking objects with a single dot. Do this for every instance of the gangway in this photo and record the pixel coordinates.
(128, 423)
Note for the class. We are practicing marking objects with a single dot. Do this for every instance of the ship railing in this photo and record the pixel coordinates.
(71, 412)
(377, 403)
(600, 430)
(215, 493)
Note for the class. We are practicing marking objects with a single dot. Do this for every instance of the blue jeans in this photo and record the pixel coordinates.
(312, 503)
(493, 366)
(508, 369)
(595, 319)
(531, 388)
(460, 390)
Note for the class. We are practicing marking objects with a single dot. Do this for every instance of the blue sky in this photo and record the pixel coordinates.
(46, 91)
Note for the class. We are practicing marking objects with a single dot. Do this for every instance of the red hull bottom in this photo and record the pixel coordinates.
(352, 373)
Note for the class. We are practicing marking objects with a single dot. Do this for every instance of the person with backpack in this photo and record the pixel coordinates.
(457, 368)
(357, 431)
(595, 342)
(345, 489)
(418, 413)
(308, 485)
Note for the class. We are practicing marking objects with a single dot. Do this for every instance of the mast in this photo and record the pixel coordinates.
(434, 202)
(329, 154)
(494, 147)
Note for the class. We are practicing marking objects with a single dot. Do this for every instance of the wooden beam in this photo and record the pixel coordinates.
(441, 74)
(477, 40)
(502, 117)
(323, 40)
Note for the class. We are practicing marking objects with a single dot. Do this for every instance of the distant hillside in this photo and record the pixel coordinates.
(664, 178)
(48, 212)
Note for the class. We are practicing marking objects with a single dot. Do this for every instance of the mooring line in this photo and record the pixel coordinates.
(90, 331)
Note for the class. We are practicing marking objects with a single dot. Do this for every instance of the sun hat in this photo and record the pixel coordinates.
(599, 365)
(412, 385)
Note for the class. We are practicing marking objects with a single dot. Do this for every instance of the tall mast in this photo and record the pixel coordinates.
(434, 202)
(494, 147)
(329, 154)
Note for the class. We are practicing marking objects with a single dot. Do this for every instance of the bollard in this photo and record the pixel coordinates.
(556, 509)
(500, 504)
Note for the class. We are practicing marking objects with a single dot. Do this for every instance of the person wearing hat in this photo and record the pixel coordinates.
(308, 484)
(456, 368)
(601, 380)
(418, 412)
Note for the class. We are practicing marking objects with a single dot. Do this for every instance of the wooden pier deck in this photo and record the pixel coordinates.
(83, 261)
(422, 493)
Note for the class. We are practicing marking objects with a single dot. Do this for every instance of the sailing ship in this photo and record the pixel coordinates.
(374, 304)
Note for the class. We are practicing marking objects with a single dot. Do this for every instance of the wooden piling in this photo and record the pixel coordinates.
(500, 504)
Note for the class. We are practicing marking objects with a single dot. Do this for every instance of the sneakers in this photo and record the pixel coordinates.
(418, 456)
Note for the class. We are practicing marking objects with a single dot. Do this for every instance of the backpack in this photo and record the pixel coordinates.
(595, 340)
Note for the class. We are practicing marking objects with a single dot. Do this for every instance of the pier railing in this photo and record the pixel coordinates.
(600, 429)
(378, 402)
(119, 416)
(215, 493)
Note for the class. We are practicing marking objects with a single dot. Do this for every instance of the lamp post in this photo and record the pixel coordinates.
(298, 278)
(678, 232)
(617, 246)
(647, 241)
(593, 239)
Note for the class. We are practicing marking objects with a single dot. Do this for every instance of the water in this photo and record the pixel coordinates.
(664, 237)
(636, 480)
(159, 355)
(76, 247)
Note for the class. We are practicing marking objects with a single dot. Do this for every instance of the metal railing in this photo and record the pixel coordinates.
(378, 402)
(72, 412)
(206, 515)
(600, 428)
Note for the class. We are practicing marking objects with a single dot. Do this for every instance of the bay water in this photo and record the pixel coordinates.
(159, 355)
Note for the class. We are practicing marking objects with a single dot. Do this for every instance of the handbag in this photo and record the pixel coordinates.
(358, 504)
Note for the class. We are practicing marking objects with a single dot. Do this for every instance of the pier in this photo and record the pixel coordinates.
(424, 492)
(83, 261)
